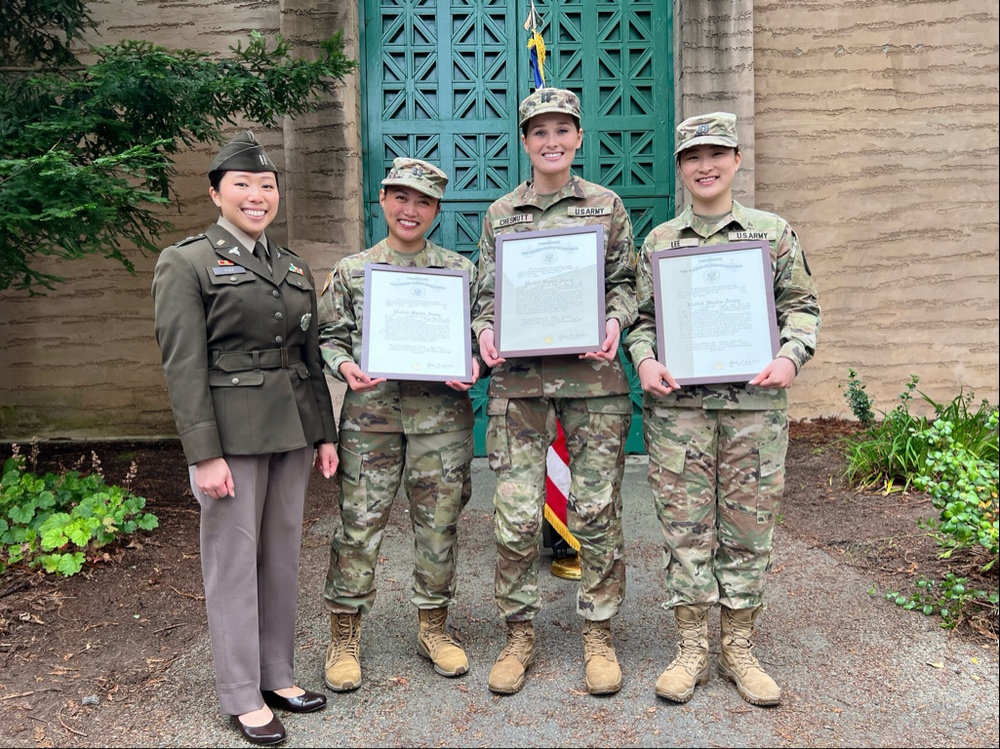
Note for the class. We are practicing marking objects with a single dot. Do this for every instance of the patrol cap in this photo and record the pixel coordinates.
(717, 128)
(420, 175)
(543, 100)
(242, 154)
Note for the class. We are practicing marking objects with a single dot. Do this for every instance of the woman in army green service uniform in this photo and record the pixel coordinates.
(717, 451)
(588, 394)
(236, 324)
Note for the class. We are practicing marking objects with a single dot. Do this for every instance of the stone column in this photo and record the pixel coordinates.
(323, 148)
(715, 72)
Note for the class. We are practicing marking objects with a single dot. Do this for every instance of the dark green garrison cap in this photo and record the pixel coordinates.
(242, 154)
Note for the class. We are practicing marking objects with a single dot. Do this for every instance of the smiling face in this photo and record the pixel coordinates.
(408, 215)
(708, 171)
(248, 200)
(551, 141)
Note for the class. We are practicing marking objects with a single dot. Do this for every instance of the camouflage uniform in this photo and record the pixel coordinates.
(716, 452)
(589, 397)
(417, 433)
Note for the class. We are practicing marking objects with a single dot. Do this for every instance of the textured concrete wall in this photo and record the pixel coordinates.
(877, 137)
(82, 361)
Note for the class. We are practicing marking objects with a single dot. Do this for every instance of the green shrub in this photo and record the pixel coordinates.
(859, 400)
(52, 521)
(954, 459)
(889, 453)
(949, 598)
(963, 487)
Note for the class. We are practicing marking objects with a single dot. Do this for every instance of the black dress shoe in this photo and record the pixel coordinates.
(304, 703)
(270, 733)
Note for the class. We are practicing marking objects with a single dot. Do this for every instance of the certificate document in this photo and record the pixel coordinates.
(550, 291)
(416, 324)
(715, 319)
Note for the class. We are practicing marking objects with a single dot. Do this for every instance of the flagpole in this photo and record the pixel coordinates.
(557, 480)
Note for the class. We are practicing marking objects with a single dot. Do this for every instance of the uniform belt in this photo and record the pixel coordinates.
(243, 361)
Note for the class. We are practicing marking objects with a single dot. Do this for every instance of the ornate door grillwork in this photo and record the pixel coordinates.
(442, 81)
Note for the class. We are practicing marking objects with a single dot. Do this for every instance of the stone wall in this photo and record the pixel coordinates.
(877, 137)
(871, 126)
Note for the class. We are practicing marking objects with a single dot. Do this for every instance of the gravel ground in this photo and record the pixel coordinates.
(855, 670)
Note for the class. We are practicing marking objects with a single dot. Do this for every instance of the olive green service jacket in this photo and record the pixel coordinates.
(240, 348)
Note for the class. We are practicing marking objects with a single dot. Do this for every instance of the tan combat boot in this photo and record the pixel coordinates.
(517, 656)
(435, 643)
(603, 673)
(690, 666)
(738, 665)
(342, 672)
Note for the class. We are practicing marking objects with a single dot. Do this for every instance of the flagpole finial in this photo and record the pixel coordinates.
(536, 47)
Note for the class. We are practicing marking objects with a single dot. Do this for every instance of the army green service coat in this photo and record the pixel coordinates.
(240, 348)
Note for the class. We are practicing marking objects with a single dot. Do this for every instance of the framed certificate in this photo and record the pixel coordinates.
(416, 324)
(715, 319)
(550, 292)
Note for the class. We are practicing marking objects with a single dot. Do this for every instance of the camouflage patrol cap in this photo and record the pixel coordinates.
(242, 154)
(718, 128)
(547, 99)
(420, 175)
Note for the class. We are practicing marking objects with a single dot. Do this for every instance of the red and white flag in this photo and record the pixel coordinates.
(557, 487)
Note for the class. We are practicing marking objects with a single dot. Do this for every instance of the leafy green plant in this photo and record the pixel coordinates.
(950, 598)
(963, 486)
(52, 521)
(859, 400)
(954, 459)
(887, 453)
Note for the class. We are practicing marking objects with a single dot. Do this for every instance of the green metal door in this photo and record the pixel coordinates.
(442, 80)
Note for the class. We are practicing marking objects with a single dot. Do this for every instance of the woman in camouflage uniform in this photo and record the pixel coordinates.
(716, 452)
(588, 394)
(414, 433)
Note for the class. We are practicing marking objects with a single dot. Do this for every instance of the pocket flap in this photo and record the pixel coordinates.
(235, 380)
(496, 406)
(671, 456)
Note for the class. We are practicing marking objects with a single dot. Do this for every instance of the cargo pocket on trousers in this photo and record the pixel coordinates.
(497, 439)
(350, 466)
(666, 466)
(772, 445)
(353, 494)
